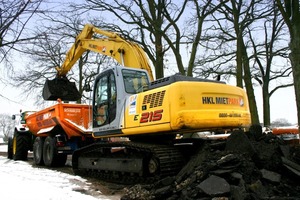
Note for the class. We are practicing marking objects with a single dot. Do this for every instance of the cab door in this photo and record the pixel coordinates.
(105, 104)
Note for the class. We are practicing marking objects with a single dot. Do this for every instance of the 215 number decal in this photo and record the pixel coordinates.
(151, 116)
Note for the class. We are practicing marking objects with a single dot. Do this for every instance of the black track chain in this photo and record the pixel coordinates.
(169, 158)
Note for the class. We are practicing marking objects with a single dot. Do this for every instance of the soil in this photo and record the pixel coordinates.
(246, 166)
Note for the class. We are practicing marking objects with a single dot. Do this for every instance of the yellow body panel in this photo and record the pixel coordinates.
(186, 107)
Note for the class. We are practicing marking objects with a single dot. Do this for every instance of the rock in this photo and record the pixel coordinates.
(239, 142)
(292, 166)
(214, 186)
(164, 191)
(295, 153)
(236, 175)
(228, 161)
(258, 189)
(268, 155)
(237, 193)
(190, 166)
(137, 192)
(244, 168)
(256, 131)
(165, 181)
(271, 176)
(285, 150)
(221, 171)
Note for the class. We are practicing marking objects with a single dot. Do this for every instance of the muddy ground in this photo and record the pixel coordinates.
(246, 166)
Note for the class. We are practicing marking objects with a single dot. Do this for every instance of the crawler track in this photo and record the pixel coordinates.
(127, 162)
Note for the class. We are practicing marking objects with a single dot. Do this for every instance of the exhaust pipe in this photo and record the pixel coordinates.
(60, 88)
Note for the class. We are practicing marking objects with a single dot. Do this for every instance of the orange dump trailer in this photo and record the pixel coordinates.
(58, 131)
(72, 119)
(285, 130)
(290, 134)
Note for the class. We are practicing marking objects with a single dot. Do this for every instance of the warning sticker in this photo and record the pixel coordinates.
(132, 104)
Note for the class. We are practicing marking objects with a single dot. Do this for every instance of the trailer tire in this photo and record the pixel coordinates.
(38, 150)
(21, 143)
(50, 155)
(10, 148)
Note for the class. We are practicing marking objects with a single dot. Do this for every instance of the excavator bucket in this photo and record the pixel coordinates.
(60, 88)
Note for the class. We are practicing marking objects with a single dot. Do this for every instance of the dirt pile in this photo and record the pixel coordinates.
(246, 166)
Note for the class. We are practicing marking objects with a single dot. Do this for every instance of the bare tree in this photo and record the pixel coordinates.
(290, 10)
(49, 52)
(14, 17)
(161, 27)
(272, 47)
(280, 122)
(6, 126)
(226, 41)
(145, 20)
(253, 35)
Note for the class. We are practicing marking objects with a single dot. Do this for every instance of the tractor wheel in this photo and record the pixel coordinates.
(10, 148)
(38, 150)
(50, 155)
(21, 144)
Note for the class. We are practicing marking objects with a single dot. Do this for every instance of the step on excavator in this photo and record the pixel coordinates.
(143, 126)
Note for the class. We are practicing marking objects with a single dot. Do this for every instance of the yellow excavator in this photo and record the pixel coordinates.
(151, 114)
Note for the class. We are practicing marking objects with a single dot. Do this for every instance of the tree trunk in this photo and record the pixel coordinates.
(80, 78)
(159, 62)
(239, 62)
(159, 66)
(249, 87)
(295, 61)
(250, 94)
(266, 104)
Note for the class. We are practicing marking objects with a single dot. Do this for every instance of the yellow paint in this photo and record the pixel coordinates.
(189, 106)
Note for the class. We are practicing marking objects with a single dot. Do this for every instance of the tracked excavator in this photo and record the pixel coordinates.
(138, 121)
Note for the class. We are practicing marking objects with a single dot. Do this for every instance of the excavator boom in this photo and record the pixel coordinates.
(111, 45)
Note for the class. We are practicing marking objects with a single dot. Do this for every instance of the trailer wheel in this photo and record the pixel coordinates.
(38, 150)
(50, 155)
(21, 143)
(10, 148)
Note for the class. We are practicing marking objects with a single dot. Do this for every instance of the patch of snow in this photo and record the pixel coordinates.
(20, 180)
(45, 130)
(83, 129)
(3, 148)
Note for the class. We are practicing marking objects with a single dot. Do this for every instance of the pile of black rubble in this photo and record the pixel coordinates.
(246, 166)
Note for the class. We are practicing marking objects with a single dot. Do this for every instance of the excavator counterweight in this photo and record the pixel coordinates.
(60, 88)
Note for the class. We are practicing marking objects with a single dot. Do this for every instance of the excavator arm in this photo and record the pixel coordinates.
(126, 53)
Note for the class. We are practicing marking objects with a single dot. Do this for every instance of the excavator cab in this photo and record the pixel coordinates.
(112, 90)
(60, 88)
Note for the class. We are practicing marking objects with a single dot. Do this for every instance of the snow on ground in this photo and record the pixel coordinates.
(20, 180)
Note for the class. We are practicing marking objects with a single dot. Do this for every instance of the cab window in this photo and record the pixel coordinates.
(105, 95)
(134, 81)
(101, 101)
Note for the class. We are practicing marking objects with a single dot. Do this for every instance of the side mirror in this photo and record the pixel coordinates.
(13, 117)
